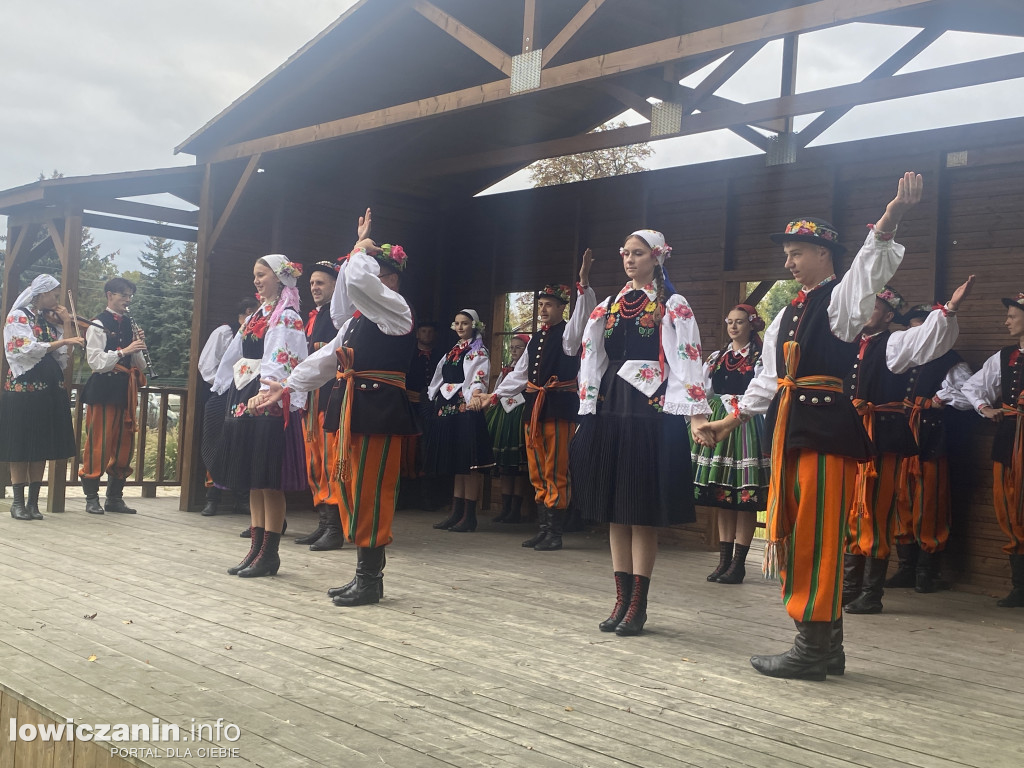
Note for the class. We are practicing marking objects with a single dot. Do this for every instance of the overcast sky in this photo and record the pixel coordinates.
(114, 85)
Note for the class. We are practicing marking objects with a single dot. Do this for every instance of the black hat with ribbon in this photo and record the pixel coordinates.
(810, 230)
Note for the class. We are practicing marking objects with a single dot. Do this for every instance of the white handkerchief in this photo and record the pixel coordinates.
(245, 370)
(644, 375)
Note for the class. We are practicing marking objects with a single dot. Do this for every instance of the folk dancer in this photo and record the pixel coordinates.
(369, 415)
(733, 475)
(213, 409)
(547, 375)
(111, 397)
(505, 426)
(997, 393)
(320, 330)
(924, 507)
(35, 411)
(813, 431)
(879, 383)
(262, 447)
(640, 376)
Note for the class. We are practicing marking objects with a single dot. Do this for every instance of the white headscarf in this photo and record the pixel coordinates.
(656, 241)
(283, 268)
(42, 284)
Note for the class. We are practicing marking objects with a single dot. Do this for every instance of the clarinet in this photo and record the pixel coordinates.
(137, 334)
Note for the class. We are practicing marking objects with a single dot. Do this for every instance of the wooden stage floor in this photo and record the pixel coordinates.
(482, 654)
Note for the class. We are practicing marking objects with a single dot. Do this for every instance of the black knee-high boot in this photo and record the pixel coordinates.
(369, 586)
(333, 536)
(806, 660)
(543, 527)
(636, 615)
(91, 486)
(853, 576)
(115, 497)
(18, 509)
(906, 571)
(870, 599)
(1016, 597)
(321, 526)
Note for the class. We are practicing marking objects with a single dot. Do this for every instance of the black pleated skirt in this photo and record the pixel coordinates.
(36, 425)
(259, 452)
(213, 427)
(630, 462)
(456, 441)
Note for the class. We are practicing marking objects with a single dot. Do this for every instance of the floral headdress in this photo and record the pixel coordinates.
(756, 322)
(478, 325)
(810, 230)
(1017, 301)
(891, 297)
(655, 241)
(393, 256)
(558, 291)
(327, 267)
(287, 271)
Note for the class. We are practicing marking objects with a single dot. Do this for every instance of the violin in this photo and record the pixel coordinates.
(81, 323)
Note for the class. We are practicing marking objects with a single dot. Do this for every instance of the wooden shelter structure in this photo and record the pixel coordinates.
(414, 106)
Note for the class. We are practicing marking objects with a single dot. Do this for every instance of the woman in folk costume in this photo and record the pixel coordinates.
(35, 412)
(733, 475)
(997, 393)
(505, 425)
(262, 448)
(213, 409)
(457, 442)
(640, 376)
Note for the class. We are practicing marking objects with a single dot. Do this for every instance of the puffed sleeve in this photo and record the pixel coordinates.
(951, 391)
(680, 340)
(983, 388)
(24, 351)
(853, 299)
(284, 347)
(514, 382)
(573, 336)
(917, 346)
(341, 305)
(477, 368)
(225, 370)
(593, 360)
(213, 351)
(385, 307)
(319, 368)
(436, 381)
(761, 390)
(709, 369)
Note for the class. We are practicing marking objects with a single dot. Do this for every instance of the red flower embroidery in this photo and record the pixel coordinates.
(282, 356)
(693, 352)
(598, 312)
(696, 392)
(680, 312)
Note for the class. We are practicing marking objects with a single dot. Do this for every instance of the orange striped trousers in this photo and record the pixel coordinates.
(817, 503)
(367, 499)
(548, 461)
(1004, 496)
(871, 534)
(316, 467)
(109, 443)
(923, 505)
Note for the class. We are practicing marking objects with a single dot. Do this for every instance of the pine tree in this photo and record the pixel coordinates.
(163, 306)
(598, 164)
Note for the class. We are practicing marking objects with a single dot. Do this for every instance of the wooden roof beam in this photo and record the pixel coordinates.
(145, 211)
(479, 45)
(721, 74)
(136, 227)
(529, 25)
(866, 92)
(889, 67)
(566, 33)
(803, 18)
(232, 203)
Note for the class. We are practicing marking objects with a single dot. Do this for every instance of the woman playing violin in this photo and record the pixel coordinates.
(35, 412)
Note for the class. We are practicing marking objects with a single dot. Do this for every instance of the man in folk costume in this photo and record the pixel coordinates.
(997, 393)
(878, 383)
(320, 330)
(368, 415)
(923, 499)
(815, 435)
(546, 375)
(111, 394)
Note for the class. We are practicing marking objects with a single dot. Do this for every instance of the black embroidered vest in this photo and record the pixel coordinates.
(546, 360)
(924, 381)
(825, 422)
(870, 379)
(110, 388)
(323, 332)
(1011, 383)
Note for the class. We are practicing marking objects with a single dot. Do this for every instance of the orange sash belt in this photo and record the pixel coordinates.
(136, 380)
(777, 528)
(1017, 467)
(867, 470)
(346, 358)
(534, 439)
(915, 411)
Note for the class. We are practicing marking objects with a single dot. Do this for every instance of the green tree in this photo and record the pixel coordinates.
(778, 296)
(598, 164)
(163, 305)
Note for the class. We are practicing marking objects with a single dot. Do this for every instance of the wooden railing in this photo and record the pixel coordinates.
(157, 459)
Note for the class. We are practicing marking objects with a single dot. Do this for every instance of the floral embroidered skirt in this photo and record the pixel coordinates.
(259, 452)
(456, 439)
(35, 422)
(630, 462)
(508, 439)
(735, 473)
